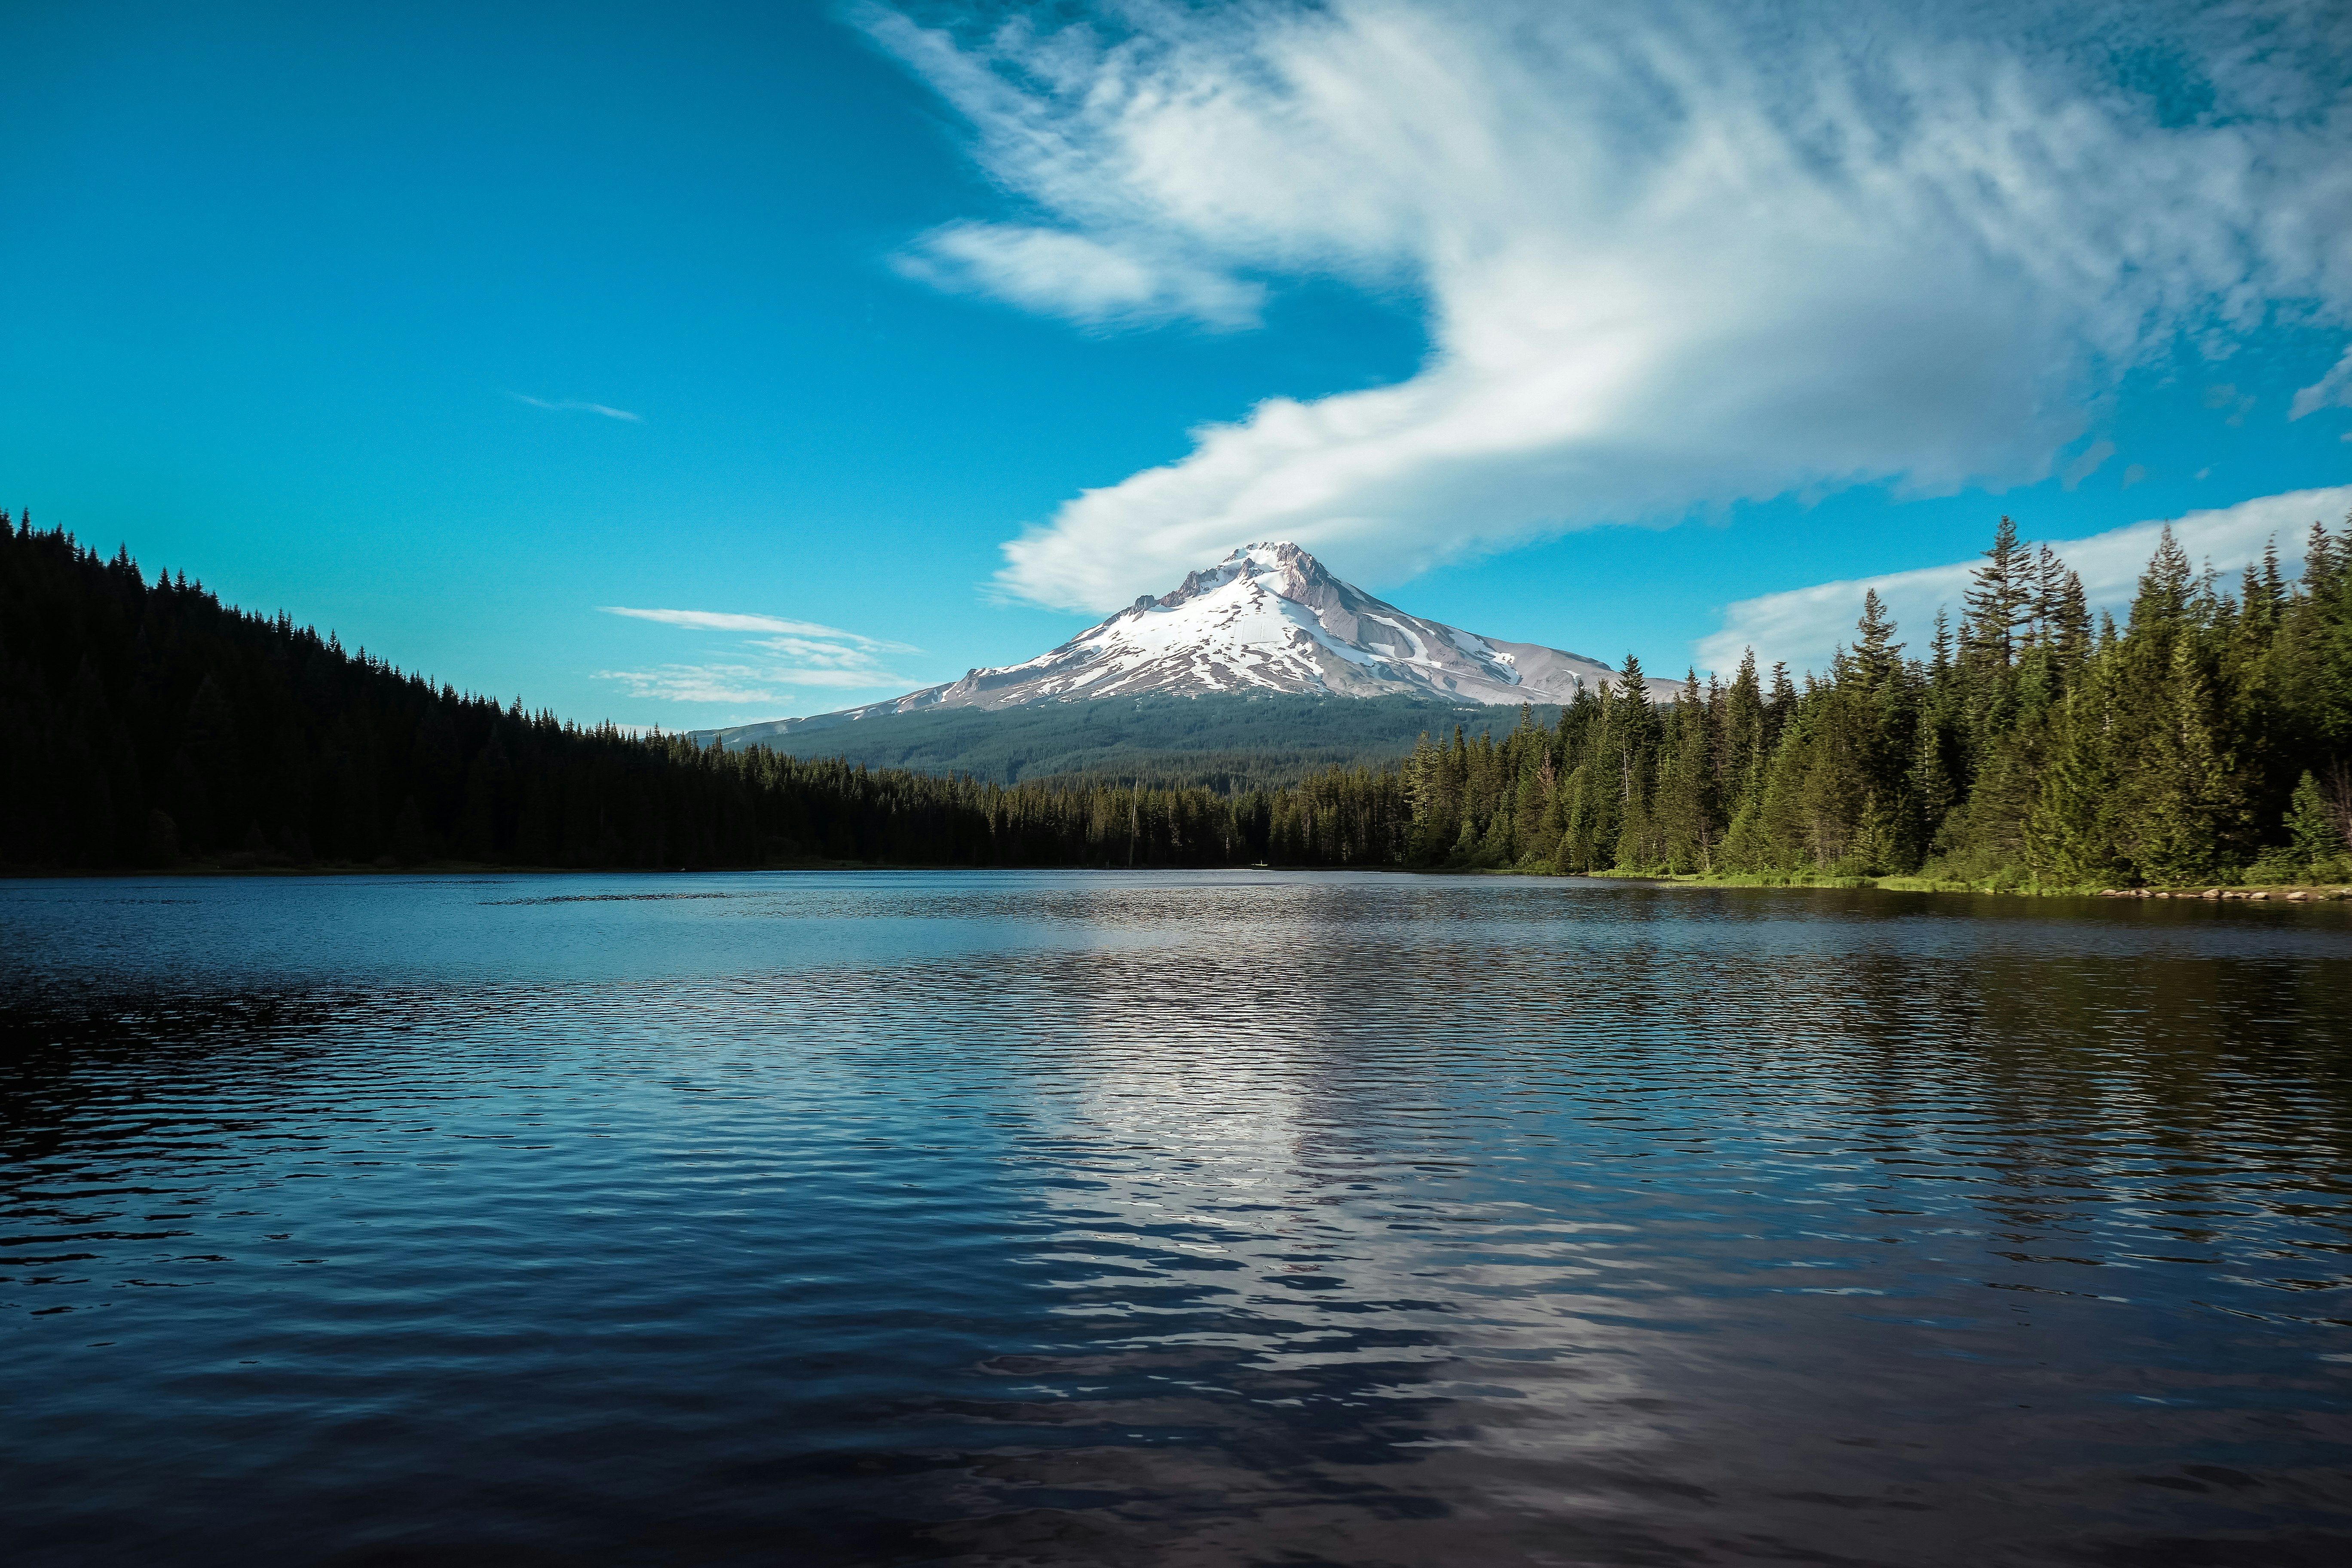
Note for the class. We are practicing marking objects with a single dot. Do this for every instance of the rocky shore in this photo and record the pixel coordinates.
(2287, 895)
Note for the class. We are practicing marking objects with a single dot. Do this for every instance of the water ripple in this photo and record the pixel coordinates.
(1233, 1217)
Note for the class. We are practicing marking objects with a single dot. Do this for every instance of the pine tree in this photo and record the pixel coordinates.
(1878, 658)
(1688, 811)
(1740, 761)
(1997, 602)
(2166, 588)
(1586, 825)
(1628, 750)
(2174, 803)
(2072, 837)
(1781, 706)
(2319, 825)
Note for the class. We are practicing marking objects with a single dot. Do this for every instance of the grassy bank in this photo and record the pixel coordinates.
(2294, 892)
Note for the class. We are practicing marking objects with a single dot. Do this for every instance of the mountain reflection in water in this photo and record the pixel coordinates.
(1212, 1218)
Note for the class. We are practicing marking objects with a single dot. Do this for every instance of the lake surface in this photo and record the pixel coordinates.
(1208, 1218)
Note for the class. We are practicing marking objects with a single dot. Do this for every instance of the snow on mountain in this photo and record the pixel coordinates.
(1267, 617)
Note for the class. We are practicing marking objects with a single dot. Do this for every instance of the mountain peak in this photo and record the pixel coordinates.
(1279, 568)
(1269, 617)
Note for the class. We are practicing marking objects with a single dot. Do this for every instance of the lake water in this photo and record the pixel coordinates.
(1216, 1218)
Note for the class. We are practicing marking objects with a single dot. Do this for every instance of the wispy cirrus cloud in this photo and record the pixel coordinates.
(1804, 625)
(1090, 281)
(693, 683)
(2332, 389)
(791, 657)
(741, 683)
(728, 621)
(573, 405)
(1673, 256)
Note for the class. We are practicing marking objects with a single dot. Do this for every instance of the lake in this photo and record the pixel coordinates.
(1183, 1218)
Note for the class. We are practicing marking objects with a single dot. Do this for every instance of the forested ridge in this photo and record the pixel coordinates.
(150, 725)
(2203, 740)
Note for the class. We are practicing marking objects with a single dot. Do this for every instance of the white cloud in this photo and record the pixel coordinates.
(2334, 387)
(798, 654)
(1803, 626)
(1058, 273)
(743, 683)
(1673, 256)
(572, 406)
(728, 621)
(692, 683)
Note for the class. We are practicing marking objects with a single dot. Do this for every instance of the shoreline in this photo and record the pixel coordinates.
(2258, 892)
(2265, 892)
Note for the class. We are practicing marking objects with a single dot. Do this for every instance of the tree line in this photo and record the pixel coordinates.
(2204, 739)
(149, 726)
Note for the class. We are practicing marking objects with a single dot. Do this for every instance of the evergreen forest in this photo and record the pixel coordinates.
(2203, 740)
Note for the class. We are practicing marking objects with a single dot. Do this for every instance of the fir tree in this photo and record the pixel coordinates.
(2319, 824)
(1998, 602)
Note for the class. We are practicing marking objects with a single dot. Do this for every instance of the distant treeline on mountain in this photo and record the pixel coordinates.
(1229, 743)
(151, 726)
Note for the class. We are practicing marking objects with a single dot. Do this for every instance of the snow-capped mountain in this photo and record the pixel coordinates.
(1267, 617)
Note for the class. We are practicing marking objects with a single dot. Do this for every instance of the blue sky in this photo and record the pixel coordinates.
(456, 330)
